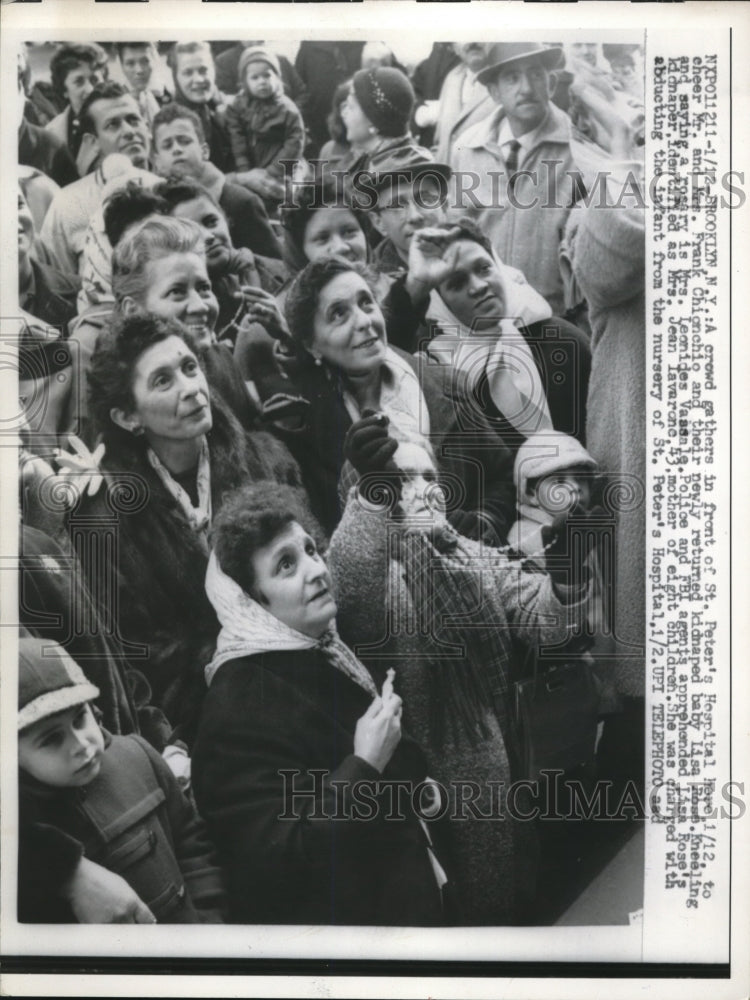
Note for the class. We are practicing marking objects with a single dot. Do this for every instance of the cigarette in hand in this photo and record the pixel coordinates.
(388, 684)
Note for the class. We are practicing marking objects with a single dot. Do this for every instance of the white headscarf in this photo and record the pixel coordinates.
(501, 353)
(247, 628)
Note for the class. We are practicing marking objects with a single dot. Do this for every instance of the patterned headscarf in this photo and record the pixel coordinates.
(247, 629)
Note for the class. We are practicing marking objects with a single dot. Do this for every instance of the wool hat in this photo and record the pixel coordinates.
(49, 681)
(256, 54)
(546, 452)
(504, 54)
(386, 96)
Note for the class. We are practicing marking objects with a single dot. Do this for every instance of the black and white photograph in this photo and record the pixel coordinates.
(367, 495)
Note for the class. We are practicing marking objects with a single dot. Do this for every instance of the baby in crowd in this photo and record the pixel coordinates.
(90, 802)
(553, 474)
(265, 126)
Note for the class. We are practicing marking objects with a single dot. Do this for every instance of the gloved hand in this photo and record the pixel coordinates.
(472, 524)
(569, 542)
(368, 445)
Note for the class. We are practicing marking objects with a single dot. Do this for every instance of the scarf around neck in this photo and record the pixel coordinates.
(501, 354)
(247, 629)
(198, 517)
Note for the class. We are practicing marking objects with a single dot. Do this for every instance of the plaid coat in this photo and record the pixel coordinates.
(447, 618)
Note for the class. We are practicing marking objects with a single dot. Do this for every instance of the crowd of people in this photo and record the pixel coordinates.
(332, 459)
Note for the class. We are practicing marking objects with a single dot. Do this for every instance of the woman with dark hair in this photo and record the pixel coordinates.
(171, 451)
(297, 747)
(357, 384)
(323, 221)
(338, 153)
(161, 267)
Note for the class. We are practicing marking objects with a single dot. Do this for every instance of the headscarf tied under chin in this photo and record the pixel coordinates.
(499, 353)
(247, 628)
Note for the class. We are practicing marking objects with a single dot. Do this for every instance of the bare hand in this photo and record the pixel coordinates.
(378, 732)
(431, 260)
(98, 896)
(261, 307)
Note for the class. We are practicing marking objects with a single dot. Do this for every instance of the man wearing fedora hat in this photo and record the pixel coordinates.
(513, 165)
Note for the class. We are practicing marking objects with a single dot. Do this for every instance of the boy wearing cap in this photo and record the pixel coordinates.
(90, 801)
(265, 126)
(518, 163)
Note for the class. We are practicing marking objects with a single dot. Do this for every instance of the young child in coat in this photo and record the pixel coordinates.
(86, 796)
(553, 473)
(556, 477)
(265, 126)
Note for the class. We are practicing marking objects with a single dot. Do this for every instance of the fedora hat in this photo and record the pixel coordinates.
(504, 54)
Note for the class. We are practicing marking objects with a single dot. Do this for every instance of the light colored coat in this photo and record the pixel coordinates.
(607, 253)
(524, 237)
(453, 117)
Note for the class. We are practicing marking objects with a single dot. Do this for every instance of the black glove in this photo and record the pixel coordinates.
(473, 524)
(368, 445)
(569, 542)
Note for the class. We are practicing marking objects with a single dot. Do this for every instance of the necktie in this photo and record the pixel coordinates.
(511, 162)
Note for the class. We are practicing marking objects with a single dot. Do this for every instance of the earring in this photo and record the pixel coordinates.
(318, 362)
(372, 130)
(136, 431)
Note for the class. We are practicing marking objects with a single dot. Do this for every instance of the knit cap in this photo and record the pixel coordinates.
(256, 54)
(49, 681)
(386, 96)
(546, 452)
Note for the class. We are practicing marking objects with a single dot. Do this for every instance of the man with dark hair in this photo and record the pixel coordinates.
(180, 149)
(111, 123)
(127, 206)
(137, 60)
(526, 140)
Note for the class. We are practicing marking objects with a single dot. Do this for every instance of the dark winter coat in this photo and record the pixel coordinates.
(53, 597)
(39, 148)
(561, 351)
(131, 819)
(286, 859)
(322, 67)
(215, 130)
(563, 358)
(263, 132)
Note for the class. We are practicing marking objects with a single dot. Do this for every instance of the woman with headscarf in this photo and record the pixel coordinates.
(297, 746)
(496, 338)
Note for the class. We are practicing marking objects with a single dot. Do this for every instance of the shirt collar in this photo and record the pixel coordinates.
(528, 140)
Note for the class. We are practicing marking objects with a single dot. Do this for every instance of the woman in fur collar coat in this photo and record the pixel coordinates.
(171, 452)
